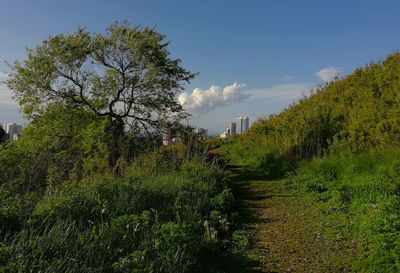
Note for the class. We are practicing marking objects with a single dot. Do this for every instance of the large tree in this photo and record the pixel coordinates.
(125, 75)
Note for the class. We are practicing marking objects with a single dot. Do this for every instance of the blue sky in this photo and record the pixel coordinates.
(272, 49)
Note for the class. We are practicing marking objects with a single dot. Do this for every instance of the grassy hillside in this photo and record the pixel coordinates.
(358, 196)
(356, 113)
(339, 148)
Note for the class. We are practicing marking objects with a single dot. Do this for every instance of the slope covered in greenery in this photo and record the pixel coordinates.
(356, 113)
(339, 150)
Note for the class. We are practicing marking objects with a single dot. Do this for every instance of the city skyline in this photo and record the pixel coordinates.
(12, 130)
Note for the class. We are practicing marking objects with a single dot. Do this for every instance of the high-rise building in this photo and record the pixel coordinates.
(233, 128)
(13, 131)
(244, 124)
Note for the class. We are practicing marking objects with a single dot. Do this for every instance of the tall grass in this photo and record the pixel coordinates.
(150, 221)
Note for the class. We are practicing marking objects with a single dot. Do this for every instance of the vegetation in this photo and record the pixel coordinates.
(359, 196)
(139, 223)
(80, 191)
(339, 149)
(353, 114)
(2, 134)
(125, 75)
(63, 210)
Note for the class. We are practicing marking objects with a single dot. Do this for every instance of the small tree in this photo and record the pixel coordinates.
(2, 134)
(124, 75)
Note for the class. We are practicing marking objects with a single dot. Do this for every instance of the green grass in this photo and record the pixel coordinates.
(360, 194)
(138, 223)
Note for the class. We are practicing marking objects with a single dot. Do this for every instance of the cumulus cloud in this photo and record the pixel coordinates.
(202, 101)
(328, 74)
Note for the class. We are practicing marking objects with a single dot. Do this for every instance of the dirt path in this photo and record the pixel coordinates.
(284, 229)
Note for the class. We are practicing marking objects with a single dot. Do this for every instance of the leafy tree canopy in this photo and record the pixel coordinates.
(124, 73)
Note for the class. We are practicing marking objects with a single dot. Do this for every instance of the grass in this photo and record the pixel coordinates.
(138, 223)
(285, 228)
(358, 196)
(335, 214)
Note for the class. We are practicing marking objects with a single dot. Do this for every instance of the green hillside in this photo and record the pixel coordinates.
(338, 150)
(356, 113)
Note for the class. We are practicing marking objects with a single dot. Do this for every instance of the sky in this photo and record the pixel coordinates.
(254, 58)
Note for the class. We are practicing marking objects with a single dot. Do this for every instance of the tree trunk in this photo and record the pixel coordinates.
(115, 142)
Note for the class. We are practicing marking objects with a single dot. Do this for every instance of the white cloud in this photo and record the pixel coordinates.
(3, 75)
(282, 92)
(328, 74)
(202, 101)
(288, 78)
(6, 96)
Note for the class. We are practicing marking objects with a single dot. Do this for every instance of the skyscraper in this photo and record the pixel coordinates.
(233, 128)
(244, 124)
(13, 130)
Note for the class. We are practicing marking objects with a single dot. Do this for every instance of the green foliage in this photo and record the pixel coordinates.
(125, 75)
(139, 223)
(345, 137)
(98, 71)
(354, 114)
(224, 201)
(2, 134)
(15, 209)
(63, 144)
(61, 207)
(365, 190)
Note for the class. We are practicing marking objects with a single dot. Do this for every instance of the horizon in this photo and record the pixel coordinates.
(254, 59)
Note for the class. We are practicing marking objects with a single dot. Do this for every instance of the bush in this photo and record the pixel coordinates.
(275, 165)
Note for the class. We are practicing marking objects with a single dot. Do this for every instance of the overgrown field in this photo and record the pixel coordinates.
(158, 218)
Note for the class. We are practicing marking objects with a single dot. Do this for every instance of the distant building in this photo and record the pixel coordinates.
(13, 131)
(233, 128)
(244, 124)
(225, 133)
